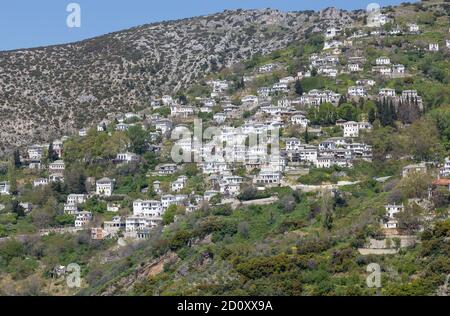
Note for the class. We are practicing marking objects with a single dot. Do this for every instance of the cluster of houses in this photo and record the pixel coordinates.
(232, 145)
(146, 215)
(338, 151)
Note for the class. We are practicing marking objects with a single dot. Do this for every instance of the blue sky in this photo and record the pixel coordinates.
(32, 23)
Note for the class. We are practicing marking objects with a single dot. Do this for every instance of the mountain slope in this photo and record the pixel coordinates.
(49, 91)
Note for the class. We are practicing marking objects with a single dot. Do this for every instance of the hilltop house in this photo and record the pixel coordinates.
(57, 168)
(101, 127)
(445, 170)
(413, 28)
(387, 92)
(383, 60)
(150, 209)
(220, 118)
(354, 67)
(332, 32)
(299, 119)
(266, 68)
(181, 110)
(398, 70)
(433, 47)
(163, 126)
(391, 211)
(357, 91)
(414, 168)
(82, 219)
(4, 188)
(351, 129)
(377, 19)
(40, 182)
(83, 132)
(168, 168)
(382, 70)
(179, 184)
(127, 157)
(76, 198)
(167, 100)
(105, 187)
(35, 152)
(316, 97)
(365, 82)
(268, 177)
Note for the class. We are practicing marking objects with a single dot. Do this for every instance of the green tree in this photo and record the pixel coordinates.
(138, 139)
(16, 208)
(298, 88)
(51, 155)
(12, 178)
(16, 158)
(348, 112)
(169, 215)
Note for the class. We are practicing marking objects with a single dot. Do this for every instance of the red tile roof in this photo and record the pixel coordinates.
(441, 182)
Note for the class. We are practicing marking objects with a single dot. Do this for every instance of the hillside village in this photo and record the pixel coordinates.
(332, 104)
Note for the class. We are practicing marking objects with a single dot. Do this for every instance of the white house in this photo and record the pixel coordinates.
(40, 182)
(181, 110)
(414, 168)
(268, 177)
(332, 44)
(167, 200)
(382, 70)
(376, 19)
(35, 152)
(299, 119)
(383, 60)
(168, 168)
(357, 91)
(209, 194)
(387, 92)
(101, 127)
(4, 188)
(413, 28)
(135, 224)
(57, 167)
(445, 170)
(433, 47)
(249, 99)
(82, 132)
(220, 118)
(332, 32)
(167, 100)
(351, 129)
(293, 144)
(365, 82)
(391, 211)
(231, 185)
(163, 126)
(354, 67)
(127, 157)
(280, 87)
(76, 198)
(149, 208)
(179, 184)
(267, 68)
(398, 70)
(105, 187)
(122, 127)
(82, 219)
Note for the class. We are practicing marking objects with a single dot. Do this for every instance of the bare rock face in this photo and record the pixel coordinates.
(45, 92)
